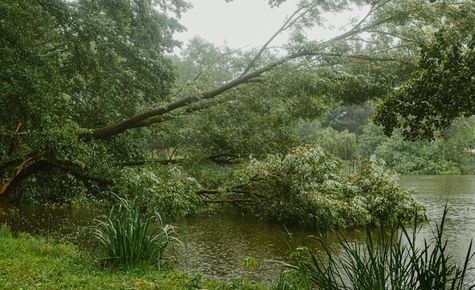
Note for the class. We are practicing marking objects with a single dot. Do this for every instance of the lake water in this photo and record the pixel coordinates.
(458, 193)
(216, 246)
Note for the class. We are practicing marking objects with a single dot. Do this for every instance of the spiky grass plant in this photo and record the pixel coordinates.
(130, 237)
(390, 259)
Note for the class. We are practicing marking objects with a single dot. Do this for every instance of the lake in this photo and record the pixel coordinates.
(216, 246)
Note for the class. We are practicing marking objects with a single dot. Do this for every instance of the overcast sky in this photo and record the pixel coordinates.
(246, 23)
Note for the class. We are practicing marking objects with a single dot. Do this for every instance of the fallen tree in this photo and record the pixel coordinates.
(83, 82)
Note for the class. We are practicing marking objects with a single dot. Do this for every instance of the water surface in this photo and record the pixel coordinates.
(217, 245)
(458, 193)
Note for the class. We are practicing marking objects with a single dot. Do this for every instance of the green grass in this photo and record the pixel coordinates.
(28, 262)
(385, 261)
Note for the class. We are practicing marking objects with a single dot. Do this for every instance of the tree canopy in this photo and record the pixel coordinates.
(72, 65)
(90, 86)
(441, 89)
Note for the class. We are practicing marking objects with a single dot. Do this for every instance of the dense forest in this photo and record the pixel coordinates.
(100, 102)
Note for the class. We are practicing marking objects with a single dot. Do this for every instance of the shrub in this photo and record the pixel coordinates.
(130, 238)
(169, 190)
(307, 186)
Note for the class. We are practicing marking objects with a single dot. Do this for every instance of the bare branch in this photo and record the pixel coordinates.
(288, 23)
(215, 61)
(75, 170)
(392, 35)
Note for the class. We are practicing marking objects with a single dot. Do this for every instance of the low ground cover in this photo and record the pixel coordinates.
(28, 262)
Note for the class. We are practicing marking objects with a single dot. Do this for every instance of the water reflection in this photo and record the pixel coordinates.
(217, 245)
(60, 223)
(458, 192)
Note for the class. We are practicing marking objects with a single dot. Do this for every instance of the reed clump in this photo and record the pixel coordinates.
(391, 258)
(132, 237)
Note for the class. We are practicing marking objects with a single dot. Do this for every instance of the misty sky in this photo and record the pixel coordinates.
(247, 23)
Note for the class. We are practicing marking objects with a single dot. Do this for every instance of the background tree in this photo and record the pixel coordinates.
(448, 153)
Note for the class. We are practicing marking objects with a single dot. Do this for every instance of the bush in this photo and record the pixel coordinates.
(307, 186)
(130, 238)
(169, 190)
(387, 260)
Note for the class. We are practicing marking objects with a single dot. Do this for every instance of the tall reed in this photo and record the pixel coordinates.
(390, 259)
(132, 238)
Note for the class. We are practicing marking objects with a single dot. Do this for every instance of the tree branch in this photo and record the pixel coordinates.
(156, 115)
(7, 185)
(70, 167)
(19, 168)
(143, 162)
(288, 23)
(24, 170)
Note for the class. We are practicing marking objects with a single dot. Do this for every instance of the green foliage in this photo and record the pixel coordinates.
(168, 190)
(417, 157)
(71, 69)
(69, 66)
(260, 118)
(441, 89)
(369, 140)
(131, 238)
(291, 280)
(389, 259)
(341, 144)
(447, 154)
(211, 65)
(306, 186)
(249, 264)
(35, 263)
(254, 119)
(349, 117)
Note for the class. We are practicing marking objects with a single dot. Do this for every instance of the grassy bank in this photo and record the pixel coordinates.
(28, 262)
(389, 259)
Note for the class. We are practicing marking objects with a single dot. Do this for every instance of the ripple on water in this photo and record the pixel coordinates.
(217, 245)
